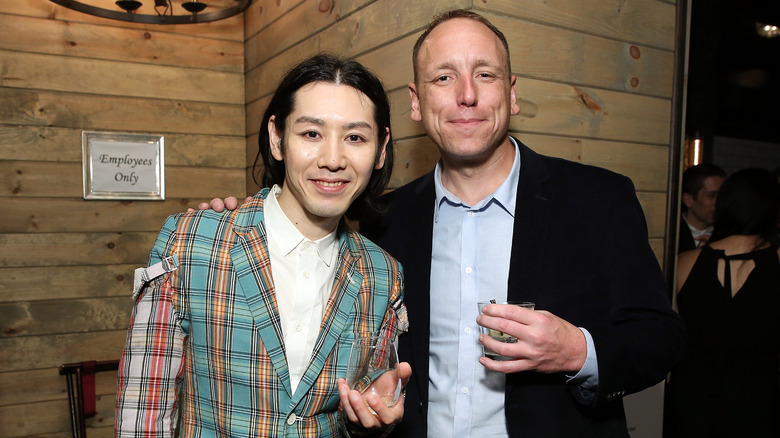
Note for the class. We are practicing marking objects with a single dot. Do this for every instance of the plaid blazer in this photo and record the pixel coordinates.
(205, 352)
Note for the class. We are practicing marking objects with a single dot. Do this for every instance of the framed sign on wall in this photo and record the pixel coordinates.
(123, 166)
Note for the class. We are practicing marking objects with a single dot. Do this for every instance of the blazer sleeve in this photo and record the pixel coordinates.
(152, 357)
(643, 336)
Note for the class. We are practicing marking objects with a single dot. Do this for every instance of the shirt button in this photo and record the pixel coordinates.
(467, 330)
(306, 274)
(471, 213)
(464, 390)
(291, 419)
(468, 270)
(298, 328)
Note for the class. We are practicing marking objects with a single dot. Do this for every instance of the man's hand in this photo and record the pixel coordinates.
(545, 342)
(218, 205)
(355, 406)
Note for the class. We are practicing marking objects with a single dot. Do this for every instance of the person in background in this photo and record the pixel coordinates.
(243, 319)
(728, 293)
(700, 186)
(495, 220)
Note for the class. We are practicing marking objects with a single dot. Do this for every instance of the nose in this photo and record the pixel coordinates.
(332, 155)
(467, 93)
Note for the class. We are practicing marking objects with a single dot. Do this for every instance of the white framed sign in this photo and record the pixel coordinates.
(123, 166)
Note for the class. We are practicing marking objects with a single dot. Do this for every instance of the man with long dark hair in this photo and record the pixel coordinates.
(243, 320)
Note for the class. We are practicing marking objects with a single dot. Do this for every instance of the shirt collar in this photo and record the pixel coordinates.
(697, 232)
(505, 195)
(287, 237)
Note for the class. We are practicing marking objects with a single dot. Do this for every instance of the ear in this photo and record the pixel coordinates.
(514, 107)
(380, 163)
(416, 115)
(687, 199)
(275, 139)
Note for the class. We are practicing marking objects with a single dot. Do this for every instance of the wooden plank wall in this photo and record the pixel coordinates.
(65, 263)
(594, 77)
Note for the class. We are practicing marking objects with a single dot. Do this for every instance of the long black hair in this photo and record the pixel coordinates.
(339, 71)
(748, 204)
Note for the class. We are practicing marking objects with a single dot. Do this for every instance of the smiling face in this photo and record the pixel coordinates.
(329, 149)
(465, 93)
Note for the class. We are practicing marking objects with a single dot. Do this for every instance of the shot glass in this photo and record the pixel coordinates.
(371, 368)
(497, 335)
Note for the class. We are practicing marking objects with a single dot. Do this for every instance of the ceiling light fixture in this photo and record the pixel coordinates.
(127, 11)
(767, 30)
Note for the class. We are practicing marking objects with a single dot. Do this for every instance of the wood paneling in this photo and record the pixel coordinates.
(66, 282)
(560, 55)
(594, 82)
(413, 157)
(25, 214)
(34, 71)
(397, 73)
(27, 419)
(66, 264)
(261, 13)
(47, 384)
(48, 143)
(297, 24)
(111, 113)
(654, 206)
(74, 249)
(646, 165)
(43, 179)
(152, 46)
(43, 317)
(648, 22)
(36, 352)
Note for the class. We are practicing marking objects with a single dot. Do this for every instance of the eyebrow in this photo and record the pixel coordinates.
(313, 120)
(357, 125)
(448, 65)
(320, 122)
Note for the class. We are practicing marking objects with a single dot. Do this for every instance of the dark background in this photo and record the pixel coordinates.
(734, 74)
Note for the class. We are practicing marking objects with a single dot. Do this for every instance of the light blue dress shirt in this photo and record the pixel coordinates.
(472, 247)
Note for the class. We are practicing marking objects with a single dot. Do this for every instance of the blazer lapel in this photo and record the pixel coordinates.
(416, 261)
(338, 312)
(255, 282)
(531, 229)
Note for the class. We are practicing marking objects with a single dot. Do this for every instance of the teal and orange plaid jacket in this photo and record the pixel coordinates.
(204, 355)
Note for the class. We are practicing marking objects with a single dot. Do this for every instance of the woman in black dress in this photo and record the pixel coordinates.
(728, 293)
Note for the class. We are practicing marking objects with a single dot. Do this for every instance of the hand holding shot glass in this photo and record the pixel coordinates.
(517, 337)
(370, 395)
(371, 369)
(496, 334)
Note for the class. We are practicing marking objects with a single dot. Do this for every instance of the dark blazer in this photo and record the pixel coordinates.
(685, 240)
(580, 250)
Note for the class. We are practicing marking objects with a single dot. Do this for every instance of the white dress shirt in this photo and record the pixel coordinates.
(696, 233)
(303, 271)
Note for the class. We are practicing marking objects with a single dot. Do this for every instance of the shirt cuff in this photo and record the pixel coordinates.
(588, 376)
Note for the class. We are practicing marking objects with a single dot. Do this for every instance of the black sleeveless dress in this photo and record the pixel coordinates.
(726, 384)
